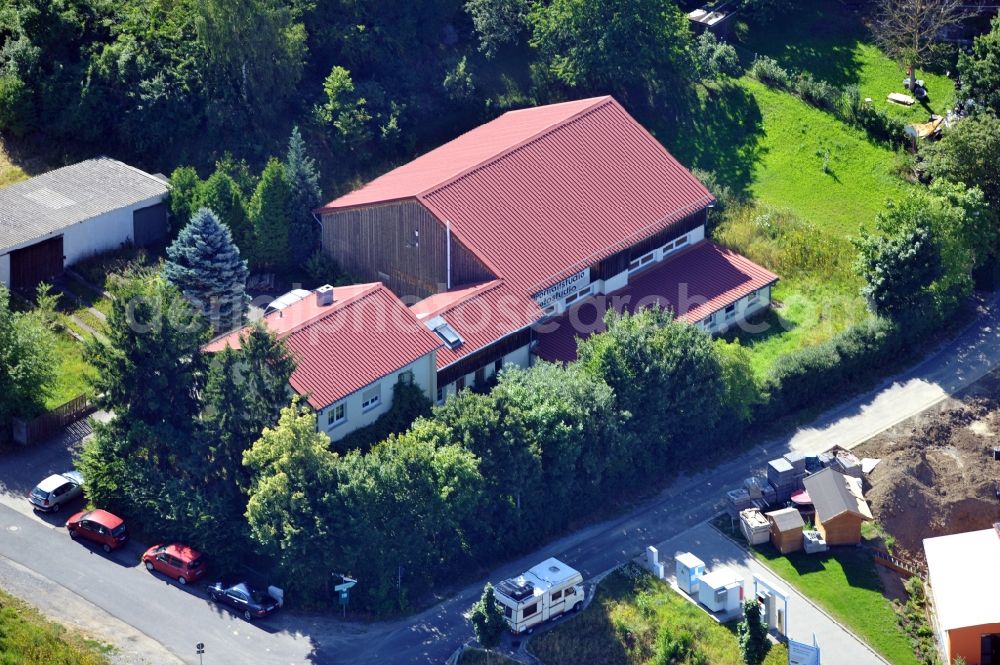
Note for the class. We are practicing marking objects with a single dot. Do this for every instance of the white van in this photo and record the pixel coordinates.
(542, 593)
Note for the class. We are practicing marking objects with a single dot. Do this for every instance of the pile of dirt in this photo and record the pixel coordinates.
(937, 476)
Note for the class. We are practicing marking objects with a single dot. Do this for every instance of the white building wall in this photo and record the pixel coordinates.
(744, 309)
(424, 376)
(101, 234)
(92, 236)
(520, 357)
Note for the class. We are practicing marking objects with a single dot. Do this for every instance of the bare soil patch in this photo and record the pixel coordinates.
(938, 476)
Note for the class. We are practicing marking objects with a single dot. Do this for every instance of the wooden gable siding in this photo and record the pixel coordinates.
(400, 244)
(844, 529)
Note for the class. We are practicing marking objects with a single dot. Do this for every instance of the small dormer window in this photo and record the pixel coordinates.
(444, 330)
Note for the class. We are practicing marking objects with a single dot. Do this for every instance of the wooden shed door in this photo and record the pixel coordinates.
(38, 263)
(149, 225)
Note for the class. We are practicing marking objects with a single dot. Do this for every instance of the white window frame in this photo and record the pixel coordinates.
(730, 312)
(441, 394)
(332, 419)
(579, 295)
(754, 296)
(371, 402)
(641, 262)
(675, 244)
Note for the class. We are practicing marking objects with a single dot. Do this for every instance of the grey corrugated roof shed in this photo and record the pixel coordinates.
(833, 493)
(70, 195)
(787, 519)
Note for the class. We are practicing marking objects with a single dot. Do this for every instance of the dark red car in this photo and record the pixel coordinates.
(99, 526)
(175, 560)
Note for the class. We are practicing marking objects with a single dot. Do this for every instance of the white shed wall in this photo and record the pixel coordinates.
(5, 269)
(100, 234)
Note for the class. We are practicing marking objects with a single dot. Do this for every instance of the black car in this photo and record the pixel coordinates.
(243, 598)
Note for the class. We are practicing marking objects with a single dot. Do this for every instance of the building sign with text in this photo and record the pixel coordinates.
(564, 288)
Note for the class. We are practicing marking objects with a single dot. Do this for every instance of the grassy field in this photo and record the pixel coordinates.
(832, 43)
(819, 168)
(9, 174)
(844, 583)
(72, 373)
(632, 615)
(28, 638)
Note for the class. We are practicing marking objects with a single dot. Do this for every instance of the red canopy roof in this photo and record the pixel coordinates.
(541, 193)
(693, 284)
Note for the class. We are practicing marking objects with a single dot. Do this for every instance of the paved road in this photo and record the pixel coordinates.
(177, 618)
(804, 620)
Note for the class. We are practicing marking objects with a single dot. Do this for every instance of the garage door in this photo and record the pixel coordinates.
(38, 263)
(149, 225)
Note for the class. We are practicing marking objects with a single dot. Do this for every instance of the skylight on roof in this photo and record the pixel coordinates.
(450, 337)
(49, 198)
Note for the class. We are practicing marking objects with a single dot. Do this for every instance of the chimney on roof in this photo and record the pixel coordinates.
(324, 295)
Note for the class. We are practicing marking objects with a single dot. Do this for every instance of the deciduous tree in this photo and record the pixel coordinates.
(293, 508)
(649, 359)
(27, 370)
(899, 262)
(968, 153)
(980, 70)
(634, 49)
(907, 30)
(498, 22)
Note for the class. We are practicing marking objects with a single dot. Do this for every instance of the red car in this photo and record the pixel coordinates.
(175, 560)
(99, 526)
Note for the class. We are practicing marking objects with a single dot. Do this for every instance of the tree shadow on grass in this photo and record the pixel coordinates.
(720, 131)
(822, 37)
(771, 321)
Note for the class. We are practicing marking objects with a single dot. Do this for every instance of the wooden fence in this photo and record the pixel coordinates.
(27, 432)
(892, 563)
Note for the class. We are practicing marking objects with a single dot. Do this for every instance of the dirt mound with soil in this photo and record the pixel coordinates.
(937, 476)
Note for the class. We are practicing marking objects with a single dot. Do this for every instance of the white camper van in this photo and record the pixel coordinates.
(540, 594)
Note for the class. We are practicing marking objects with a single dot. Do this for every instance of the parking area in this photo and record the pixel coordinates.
(804, 620)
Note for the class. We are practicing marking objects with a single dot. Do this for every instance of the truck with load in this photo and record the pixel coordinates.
(545, 592)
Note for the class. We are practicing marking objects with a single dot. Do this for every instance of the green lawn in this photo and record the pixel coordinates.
(818, 167)
(622, 625)
(831, 42)
(71, 374)
(805, 312)
(844, 583)
(28, 638)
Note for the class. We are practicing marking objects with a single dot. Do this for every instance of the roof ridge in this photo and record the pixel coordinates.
(597, 103)
(373, 287)
(474, 292)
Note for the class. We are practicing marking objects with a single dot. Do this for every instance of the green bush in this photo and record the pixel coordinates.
(408, 403)
(819, 93)
(770, 73)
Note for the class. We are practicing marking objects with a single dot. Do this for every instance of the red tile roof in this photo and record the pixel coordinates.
(466, 152)
(480, 314)
(541, 193)
(366, 334)
(693, 284)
